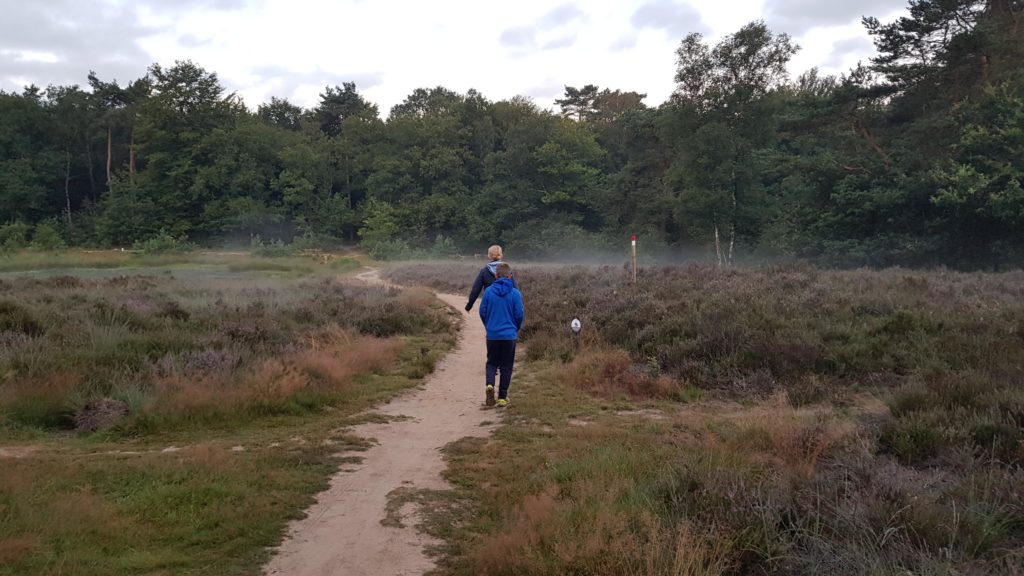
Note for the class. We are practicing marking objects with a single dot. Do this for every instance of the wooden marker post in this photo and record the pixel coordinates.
(576, 326)
(634, 259)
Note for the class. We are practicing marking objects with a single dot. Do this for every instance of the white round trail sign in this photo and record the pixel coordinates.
(576, 325)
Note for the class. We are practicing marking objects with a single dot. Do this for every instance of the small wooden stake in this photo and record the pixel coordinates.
(634, 259)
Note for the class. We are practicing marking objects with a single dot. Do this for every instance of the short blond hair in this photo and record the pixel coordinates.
(503, 271)
(494, 252)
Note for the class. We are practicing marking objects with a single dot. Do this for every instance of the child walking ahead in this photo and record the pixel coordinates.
(502, 313)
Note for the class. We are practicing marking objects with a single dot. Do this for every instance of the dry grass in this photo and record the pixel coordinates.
(235, 386)
(770, 421)
(16, 550)
(329, 364)
(192, 350)
(609, 372)
(572, 486)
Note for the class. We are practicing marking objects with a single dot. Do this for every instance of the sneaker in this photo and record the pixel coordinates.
(489, 398)
(502, 402)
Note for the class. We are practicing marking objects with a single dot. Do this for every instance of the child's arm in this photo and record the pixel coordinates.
(485, 306)
(478, 285)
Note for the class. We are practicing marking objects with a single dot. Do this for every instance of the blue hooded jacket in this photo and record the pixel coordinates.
(501, 310)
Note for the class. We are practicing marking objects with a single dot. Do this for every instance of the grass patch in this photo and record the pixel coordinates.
(750, 421)
(210, 499)
(235, 390)
(573, 485)
(301, 263)
(199, 349)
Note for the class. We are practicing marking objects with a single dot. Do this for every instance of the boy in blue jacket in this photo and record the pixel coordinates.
(502, 313)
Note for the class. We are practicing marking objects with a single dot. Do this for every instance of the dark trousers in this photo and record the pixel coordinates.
(501, 355)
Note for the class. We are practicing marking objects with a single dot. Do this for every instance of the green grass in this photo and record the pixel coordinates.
(573, 484)
(127, 505)
(82, 261)
(237, 386)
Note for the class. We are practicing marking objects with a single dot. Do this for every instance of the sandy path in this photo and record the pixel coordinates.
(342, 533)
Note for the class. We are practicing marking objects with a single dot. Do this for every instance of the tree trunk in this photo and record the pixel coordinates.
(718, 246)
(348, 183)
(732, 223)
(92, 175)
(732, 243)
(67, 183)
(110, 154)
(860, 128)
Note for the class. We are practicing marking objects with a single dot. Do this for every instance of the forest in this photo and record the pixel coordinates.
(915, 158)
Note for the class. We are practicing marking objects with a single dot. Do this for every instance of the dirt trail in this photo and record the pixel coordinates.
(342, 533)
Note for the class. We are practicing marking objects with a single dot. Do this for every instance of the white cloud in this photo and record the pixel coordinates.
(31, 56)
(293, 48)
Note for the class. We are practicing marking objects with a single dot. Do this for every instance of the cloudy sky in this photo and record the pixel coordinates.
(293, 48)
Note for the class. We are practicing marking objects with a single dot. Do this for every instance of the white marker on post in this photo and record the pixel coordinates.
(576, 326)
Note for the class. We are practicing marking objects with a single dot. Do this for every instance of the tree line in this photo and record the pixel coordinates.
(915, 158)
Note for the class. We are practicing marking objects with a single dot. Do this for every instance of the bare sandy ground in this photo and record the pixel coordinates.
(342, 533)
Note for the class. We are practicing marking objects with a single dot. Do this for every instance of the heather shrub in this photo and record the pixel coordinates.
(610, 372)
(863, 422)
(915, 438)
(197, 349)
(752, 331)
(15, 318)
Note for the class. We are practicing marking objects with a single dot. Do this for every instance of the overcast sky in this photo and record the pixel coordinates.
(293, 48)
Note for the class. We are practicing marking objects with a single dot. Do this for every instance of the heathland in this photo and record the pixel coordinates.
(166, 411)
(169, 415)
(749, 421)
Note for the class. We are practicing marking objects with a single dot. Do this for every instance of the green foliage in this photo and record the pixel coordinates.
(913, 160)
(271, 248)
(380, 225)
(129, 214)
(40, 411)
(46, 236)
(14, 236)
(393, 250)
(164, 243)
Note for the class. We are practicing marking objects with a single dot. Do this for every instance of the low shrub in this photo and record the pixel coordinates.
(201, 348)
(751, 331)
(165, 243)
(915, 438)
(272, 248)
(46, 236)
(14, 236)
(16, 318)
(611, 373)
(861, 422)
